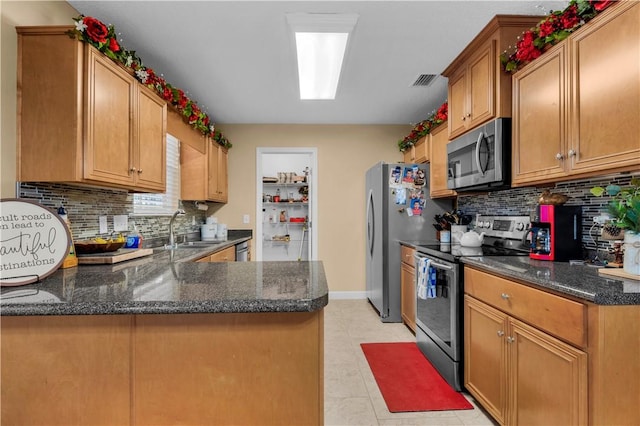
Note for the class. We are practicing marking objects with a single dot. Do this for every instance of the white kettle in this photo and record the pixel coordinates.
(471, 239)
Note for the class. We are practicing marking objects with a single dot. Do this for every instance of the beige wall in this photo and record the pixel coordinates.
(344, 154)
(18, 13)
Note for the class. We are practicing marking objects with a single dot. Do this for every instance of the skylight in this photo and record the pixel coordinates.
(321, 43)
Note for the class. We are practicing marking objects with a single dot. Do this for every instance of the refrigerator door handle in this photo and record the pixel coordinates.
(370, 222)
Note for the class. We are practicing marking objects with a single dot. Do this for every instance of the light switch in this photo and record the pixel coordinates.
(120, 222)
(102, 220)
(245, 218)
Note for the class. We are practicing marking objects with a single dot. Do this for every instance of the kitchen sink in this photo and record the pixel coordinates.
(196, 244)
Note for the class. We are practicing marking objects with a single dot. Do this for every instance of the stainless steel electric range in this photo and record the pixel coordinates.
(439, 316)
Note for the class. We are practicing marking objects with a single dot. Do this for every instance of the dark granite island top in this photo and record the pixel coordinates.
(582, 282)
(168, 283)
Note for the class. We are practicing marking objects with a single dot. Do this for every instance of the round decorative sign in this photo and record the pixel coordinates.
(34, 242)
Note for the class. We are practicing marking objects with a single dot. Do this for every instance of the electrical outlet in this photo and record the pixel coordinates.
(102, 221)
(245, 218)
(120, 222)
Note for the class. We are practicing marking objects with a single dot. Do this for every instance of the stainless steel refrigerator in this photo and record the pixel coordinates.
(398, 208)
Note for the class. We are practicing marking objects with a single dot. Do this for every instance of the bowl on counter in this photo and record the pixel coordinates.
(89, 247)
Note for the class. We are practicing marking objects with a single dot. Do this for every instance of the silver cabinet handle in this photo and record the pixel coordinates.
(559, 156)
(572, 153)
(505, 296)
(511, 339)
(139, 171)
(500, 333)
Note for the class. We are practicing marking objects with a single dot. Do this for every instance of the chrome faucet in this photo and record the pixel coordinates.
(172, 243)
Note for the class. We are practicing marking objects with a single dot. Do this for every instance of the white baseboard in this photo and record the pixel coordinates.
(347, 295)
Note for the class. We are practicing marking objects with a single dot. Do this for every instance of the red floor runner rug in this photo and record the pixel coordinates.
(408, 381)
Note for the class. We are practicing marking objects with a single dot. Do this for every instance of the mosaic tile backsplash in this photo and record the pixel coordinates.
(85, 205)
(523, 201)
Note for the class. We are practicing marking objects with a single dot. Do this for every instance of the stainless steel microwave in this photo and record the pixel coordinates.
(480, 160)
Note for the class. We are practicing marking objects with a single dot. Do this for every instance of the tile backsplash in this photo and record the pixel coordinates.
(523, 201)
(84, 205)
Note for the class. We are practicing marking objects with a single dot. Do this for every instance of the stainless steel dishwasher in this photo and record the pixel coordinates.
(242, 251)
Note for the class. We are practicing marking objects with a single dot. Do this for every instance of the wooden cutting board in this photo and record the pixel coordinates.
(109, 258)
(618, 273)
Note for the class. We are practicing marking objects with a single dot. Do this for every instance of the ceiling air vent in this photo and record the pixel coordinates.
(424, 80)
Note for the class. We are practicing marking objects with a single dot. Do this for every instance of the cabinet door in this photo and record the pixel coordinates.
(223, 182)
(481, 76)
(539, 117)
(605, 55)
(226, 255)
(421, 150)
(485, 360)
(151, 141)
(109, 133)
(547, 378)
(66, 370)
(457, 104)
(217, 178)
(438, 159)
(408, 294)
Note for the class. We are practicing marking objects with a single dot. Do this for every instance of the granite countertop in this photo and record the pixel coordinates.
(169, 282)
(579, 281)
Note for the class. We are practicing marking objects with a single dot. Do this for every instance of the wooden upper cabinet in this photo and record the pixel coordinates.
(438, 168)
(576, 107)
(203, 167)
(218, 158)
(421, 150)
(605, 92)
(471, 92)
(478, 88)
(86, 119)
(539, 96)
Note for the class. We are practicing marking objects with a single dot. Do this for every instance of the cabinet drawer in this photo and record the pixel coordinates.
(406, 255)
(561, 317)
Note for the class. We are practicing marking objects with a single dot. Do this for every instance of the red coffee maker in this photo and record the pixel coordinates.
(557, 235)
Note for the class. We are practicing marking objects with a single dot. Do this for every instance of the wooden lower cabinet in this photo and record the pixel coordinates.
(521, 375)
(222, 369)
(183, 369)
(485, 356)
(529, 360)
(408, 287)
(225, 255)
(66, 370)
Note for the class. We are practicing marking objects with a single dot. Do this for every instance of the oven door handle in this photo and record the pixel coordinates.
(435, 264)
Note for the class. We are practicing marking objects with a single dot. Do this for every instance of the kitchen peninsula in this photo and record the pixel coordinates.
(165, 340)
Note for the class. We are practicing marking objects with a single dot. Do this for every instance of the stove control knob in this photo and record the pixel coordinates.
(488, 224)
(519, 226)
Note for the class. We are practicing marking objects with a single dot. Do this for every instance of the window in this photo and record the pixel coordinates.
(167, 203)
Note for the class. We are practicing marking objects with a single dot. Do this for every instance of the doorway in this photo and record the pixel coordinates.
(286, 204)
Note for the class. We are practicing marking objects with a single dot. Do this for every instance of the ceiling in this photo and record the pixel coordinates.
(236, 58)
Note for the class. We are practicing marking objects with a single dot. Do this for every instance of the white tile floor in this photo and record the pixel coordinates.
(351, 394)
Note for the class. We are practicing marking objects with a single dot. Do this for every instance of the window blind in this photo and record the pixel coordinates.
(167, 203)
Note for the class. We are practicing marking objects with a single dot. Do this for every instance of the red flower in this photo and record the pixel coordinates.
(443, 110)
(96, 30)
(569, 18)
(526, 50)
(113, 45)
(167, 94)
(547, 26)
(193, 118)
(600, 5)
